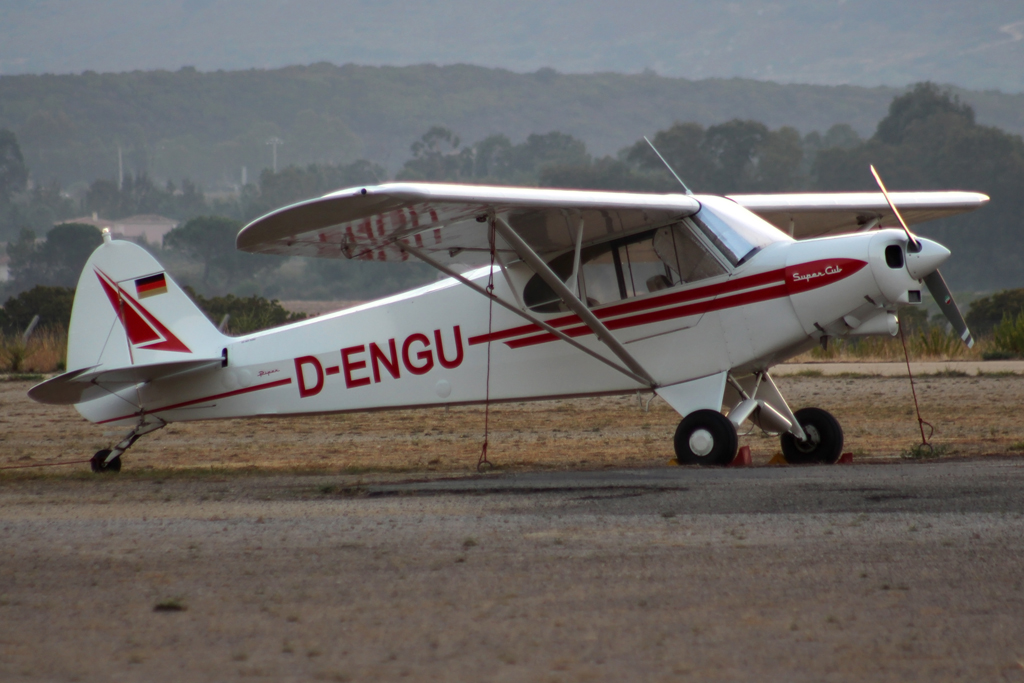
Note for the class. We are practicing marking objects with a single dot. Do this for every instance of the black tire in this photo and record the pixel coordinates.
(705, 437)
(824, 444)
(99, 466)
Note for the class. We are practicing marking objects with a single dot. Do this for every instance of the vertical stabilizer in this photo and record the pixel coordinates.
(128, 311)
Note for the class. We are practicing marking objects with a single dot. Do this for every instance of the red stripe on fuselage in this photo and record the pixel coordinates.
(185, 404)
(727, 287)
(762, 287)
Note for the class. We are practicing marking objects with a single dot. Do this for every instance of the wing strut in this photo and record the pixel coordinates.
(522, 314)
(571, 300)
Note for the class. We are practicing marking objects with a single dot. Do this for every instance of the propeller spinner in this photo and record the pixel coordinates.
(933, 279)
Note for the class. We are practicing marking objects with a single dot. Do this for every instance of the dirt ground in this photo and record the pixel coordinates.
(302, 549)
(972, 415)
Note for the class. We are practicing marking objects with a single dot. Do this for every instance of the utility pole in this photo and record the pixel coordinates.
(120, 169)
(274, 142)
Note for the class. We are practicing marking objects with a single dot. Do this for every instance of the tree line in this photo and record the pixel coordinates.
(208, 125)
(928, 140)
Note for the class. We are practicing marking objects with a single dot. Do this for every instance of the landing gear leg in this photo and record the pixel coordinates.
(810, 435)
(109, 459)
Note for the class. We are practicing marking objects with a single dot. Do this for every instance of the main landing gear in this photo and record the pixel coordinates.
(824, 442)
(809, 436)
(706, 437)
(109, 459)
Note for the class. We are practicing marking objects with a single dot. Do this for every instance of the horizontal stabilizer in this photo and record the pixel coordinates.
(86, 384)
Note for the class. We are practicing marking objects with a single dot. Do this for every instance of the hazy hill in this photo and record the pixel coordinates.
(207, 125)
(863, 42)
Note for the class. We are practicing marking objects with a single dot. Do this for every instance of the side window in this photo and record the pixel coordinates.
(602, 274)
(633, 266)
(538, 296)
(686, 256)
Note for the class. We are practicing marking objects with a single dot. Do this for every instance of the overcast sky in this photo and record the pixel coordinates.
(864, 42)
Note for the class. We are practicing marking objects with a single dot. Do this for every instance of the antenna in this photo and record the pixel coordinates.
(670, 170)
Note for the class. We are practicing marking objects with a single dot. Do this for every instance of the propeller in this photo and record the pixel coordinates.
(934, 281)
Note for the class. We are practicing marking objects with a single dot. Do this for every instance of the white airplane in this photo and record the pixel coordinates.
(548, 294)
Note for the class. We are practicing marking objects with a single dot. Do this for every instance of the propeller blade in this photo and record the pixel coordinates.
(885, 193)
(937, 286)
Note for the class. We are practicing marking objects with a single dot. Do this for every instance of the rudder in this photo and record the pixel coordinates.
(128, 311)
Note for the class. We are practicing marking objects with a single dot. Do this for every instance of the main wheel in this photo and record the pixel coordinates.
(99, 464)
(705, 437)
(824, 438)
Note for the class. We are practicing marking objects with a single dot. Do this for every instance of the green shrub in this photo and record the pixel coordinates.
(988, 312)
(936, 342)
(1008, 335)
(250, 314)
(51, 304)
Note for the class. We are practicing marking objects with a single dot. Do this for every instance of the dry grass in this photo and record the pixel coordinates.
(972, 416)
(45, 351)
(933, 345)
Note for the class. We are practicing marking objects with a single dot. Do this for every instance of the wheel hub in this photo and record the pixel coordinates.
(701, 442)
(813, 439)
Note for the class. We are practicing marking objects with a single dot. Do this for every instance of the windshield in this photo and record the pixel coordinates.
(738, 233)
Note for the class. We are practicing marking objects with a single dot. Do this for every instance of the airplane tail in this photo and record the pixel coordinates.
(130, 324)
(129, 312)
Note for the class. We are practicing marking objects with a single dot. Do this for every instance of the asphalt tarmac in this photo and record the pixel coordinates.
(908, 571)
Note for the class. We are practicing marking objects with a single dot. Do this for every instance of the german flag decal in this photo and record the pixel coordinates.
(151, 286)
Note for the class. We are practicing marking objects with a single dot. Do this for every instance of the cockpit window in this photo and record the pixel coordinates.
(538, 295)
(736, 232)
(678, 247)
(629, 267)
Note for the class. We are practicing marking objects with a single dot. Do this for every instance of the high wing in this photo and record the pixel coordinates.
(447, 222)
(807, 215)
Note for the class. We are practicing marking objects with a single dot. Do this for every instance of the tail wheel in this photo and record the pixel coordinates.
(824, 438)
(99, 462)
(705, 437)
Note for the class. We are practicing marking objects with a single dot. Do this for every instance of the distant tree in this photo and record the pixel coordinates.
(57, 260)
(13, 173)
(930, 141)
(139, 194)
(924, 101)
(840, 135)
(436, 156)
(778, 162)
(549, 149)
(51, 304)
(606, 173)
(439, 156)
(682, 147)
(736, 156)
(733, 148)
(492, 157)
(104, 199)
(187, 203)
(988, 311)
(247, 314)
(210, 241)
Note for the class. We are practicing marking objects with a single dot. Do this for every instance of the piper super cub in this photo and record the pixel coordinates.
(548, 294)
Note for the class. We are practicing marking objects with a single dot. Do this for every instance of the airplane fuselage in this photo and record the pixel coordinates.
(439, 344)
